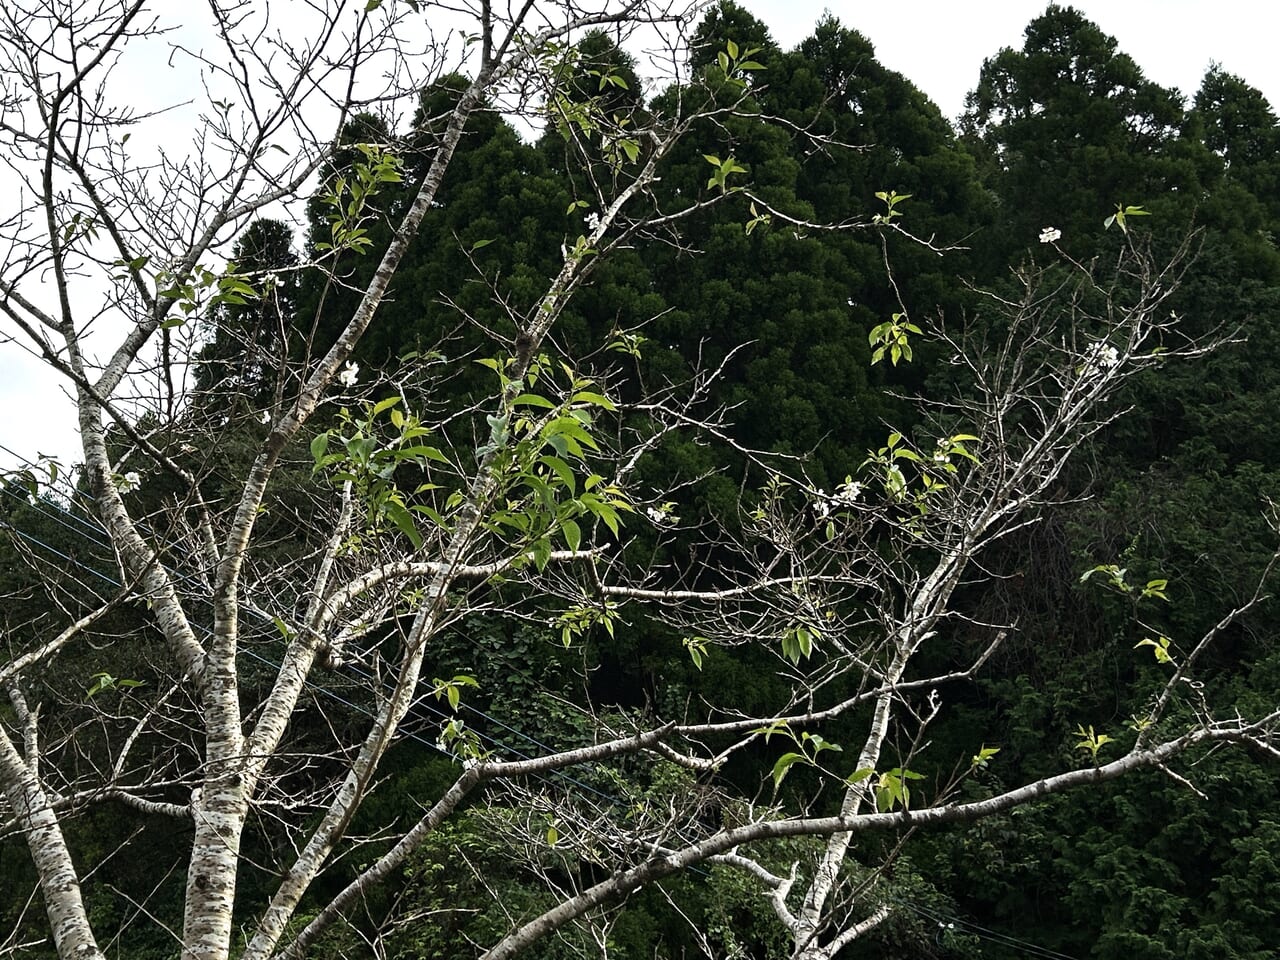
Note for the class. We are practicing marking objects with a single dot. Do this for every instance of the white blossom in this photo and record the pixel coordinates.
(847, 493)
(1101, 357)
(593, 221)
(265, 416)
(662, 513)
(129, 482)
(1050, 234)
(350, 374)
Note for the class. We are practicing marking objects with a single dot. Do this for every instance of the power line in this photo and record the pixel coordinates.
(948, 922)
(94, 533)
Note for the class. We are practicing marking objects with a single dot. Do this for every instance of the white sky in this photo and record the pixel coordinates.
(938, 44)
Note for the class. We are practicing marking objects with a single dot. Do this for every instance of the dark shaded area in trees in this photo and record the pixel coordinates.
(1058, 133)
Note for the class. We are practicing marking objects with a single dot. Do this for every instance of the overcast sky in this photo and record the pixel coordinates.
(938, 44)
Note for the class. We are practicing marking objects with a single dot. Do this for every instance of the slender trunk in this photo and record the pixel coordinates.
(59, 884)
(231, 776)
(351, 793)
(220, 813)
(930, 600)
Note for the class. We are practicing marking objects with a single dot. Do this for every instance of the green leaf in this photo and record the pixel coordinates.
(888, 791)
(574, 434)
(480, 244)
(431, 514)
(1156, 589)
(775, 727)
(383, 405)
(819, 743)
(426, 453)
(541, 553)
(403, 520)
(101, 681)
(805, 640)
(319, 445)
(984, 754)
(784, 764)
(596, 399)
(572, 534)
(609, 515)
(1159, 647)
(562, 471)
(533, 400)
(790, 649)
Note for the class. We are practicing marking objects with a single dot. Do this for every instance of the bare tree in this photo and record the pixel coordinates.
(525, 488)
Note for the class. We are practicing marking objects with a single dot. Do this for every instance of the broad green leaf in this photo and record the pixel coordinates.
(597, 399)
(572, 534)
(319, 445)
(541, 553)
(784, 764)
(562, 471)
(403, 519)
(427, 453)
(533, 400)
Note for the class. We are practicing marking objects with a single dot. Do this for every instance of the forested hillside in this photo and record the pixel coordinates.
(573, 513)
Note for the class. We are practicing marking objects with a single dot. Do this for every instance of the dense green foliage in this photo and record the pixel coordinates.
(1059, 133)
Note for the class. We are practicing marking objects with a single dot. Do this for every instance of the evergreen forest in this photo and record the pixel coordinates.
(829, 276)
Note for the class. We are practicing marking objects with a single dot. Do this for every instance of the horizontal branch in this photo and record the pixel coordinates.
(625, 882)
(474, 776)
(817, 716)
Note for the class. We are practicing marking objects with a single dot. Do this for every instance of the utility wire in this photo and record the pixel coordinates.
(949, 922)
(93, 532)
(600, 799)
